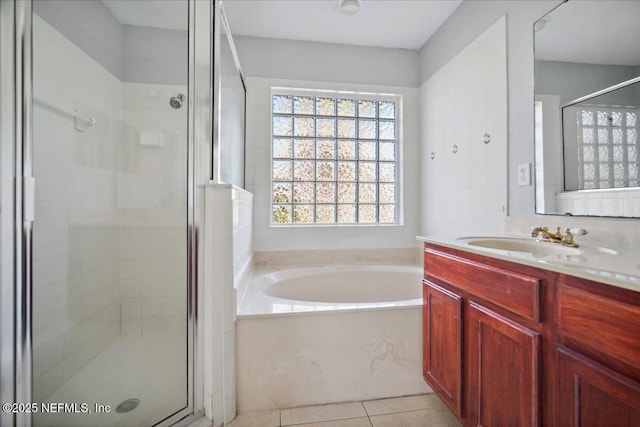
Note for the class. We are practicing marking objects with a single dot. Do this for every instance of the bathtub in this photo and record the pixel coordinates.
(330, 288)
(310, 336)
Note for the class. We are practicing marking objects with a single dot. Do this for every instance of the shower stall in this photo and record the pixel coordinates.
(104, 131)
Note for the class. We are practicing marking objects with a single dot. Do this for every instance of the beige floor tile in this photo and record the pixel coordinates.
(421, 418)
(444, 417)
(402, 404)
(311, 414)
(257, 419)
(351, 422)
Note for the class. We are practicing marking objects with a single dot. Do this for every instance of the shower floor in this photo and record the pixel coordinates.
(132, 367)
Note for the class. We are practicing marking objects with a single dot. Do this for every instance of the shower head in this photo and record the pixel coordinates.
(176, 101)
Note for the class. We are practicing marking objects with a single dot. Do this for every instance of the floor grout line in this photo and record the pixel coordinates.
(325, 421)
(366, 414)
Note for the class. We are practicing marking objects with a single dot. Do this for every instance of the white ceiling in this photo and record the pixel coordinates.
(596, 32)
(593, 32)
(382, 23)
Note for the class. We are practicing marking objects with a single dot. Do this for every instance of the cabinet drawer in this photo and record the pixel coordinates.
(601, 326)
(515, 292)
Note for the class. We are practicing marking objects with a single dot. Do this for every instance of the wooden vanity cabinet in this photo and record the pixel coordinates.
(597, 332)
(591, 395)
(442, 349)
(482, 337)
(511, 345)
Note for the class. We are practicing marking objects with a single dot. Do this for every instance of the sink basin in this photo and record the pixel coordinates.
(515, 244)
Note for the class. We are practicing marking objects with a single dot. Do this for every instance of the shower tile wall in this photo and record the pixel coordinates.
(110, 229)
(151, 202)
(76, 283)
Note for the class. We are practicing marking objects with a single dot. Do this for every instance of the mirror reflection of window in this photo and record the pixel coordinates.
(589, 138)
(601, 133)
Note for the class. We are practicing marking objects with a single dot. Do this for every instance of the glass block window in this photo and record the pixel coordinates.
(334, 159)
(608, 146)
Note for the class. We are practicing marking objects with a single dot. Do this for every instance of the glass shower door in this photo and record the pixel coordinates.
(110, 153)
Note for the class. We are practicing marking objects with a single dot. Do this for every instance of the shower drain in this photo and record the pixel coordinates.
(128, 405)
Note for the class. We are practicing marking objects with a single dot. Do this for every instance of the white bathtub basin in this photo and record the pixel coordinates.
(321, 339)
(333, 287)
(353, 284)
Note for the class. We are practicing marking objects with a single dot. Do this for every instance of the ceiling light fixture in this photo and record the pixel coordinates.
(349, 7)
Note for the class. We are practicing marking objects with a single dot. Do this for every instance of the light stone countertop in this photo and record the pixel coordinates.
(593, 263)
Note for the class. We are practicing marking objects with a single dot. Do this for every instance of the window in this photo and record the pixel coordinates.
(334, 159)
(607, 148)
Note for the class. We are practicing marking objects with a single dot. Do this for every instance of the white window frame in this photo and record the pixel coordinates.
(356, 96)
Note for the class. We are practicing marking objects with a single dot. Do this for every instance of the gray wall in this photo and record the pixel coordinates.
(131, 53)
(90, 26)
(155, 55)
(571, 80)
(468, 21)
(326, 62)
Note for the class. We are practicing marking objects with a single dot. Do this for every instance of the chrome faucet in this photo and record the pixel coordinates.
(565, 238)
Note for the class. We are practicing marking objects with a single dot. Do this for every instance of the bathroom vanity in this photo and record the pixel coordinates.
(526, 343)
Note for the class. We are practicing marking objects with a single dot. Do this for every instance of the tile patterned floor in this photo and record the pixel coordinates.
(424, 410)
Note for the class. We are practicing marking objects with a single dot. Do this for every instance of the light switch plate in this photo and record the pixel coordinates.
(524, 174)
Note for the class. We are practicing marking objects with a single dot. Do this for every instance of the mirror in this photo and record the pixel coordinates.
(231, 126)
(587, 108)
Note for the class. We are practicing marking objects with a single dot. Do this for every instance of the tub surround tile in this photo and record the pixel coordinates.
(227, 236)
(293, 258)
(402, 404)
(380, 356)
(403, 256)
(311, 414)
(257, 419)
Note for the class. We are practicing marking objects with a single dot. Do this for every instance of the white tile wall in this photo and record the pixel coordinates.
(110, 228)
(151, 198)
(623, 234)
(618, 202)
(76, 274)
(153, 278)
(465, 192)
(227, 270)
(258, 177)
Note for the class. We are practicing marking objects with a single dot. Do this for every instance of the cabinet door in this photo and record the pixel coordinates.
(503, 370)
(592, 395)
(442, 344)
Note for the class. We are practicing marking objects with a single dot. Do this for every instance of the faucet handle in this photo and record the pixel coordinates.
(567, 237)
(577, 231)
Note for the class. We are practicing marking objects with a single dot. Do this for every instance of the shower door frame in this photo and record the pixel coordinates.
(17, 200)
(17, 211)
